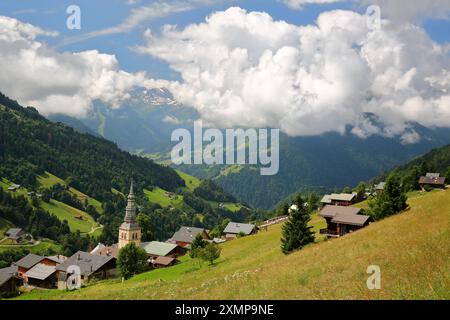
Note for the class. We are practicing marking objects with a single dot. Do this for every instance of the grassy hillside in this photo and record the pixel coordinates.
(191, 182)
(411, 249)
(159, 196)
(61, 210)
(39, 248)
(48, 180)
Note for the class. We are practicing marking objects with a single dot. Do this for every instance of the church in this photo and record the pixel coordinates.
(129, 230)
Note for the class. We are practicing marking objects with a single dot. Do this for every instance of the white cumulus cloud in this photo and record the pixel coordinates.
(242, 68)
(53, 82)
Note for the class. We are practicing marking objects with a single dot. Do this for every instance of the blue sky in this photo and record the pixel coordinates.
(99, 14)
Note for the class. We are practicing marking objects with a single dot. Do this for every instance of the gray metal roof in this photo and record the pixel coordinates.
(348, 218)
(88, 263)
(187, 234)
(11, 270)
(330, 211)
(158, 248)
(29, 261)
(58, 258)
(4, 277)
(14, 232)
(236, 228)
(40, 271)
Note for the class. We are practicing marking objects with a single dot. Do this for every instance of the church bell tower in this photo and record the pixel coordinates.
(129, 230)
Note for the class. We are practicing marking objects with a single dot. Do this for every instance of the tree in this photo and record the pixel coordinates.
(218, 230)
(296, 232)
(347, 190)
(131, 260)
(391, 201)
(210, 253)
(197, 245)
(313, 199)
(447, 175)
(146, 227)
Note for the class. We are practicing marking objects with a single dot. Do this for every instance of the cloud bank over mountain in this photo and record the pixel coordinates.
(245, 69)
(242, 68)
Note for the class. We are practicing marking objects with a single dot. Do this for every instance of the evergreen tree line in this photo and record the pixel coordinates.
(31, 145)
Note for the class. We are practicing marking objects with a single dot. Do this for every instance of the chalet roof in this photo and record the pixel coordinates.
(330, 211)
(88, 263)
(11, 270)
(158, 248)
(4, 277)
(343, 196)
(57, 258)
(40, 271)
(29, 261)
(187, 234)
(434, 181)
(14, 233)
(103, 250)
(326, 199)
(236, 228)
(380, 186)
(164, 261)
(349, 218)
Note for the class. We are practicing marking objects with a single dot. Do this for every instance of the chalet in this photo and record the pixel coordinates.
(339, 199)
(26, 263)
(14, 187)
(9, 282)
(185, 235)
(162, 262)
(380, 187)
(341, 220)
(156, 249)
(233, 229)
(432, 181)
(92, 266)
(42, 275)
(17, 235)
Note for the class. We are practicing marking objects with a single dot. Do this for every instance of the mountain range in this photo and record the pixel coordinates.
(322, 163)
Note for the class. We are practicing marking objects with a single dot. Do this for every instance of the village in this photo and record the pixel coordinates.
(55, 272)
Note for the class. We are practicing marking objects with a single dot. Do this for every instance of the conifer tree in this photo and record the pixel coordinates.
(391, 201)
(296, 232)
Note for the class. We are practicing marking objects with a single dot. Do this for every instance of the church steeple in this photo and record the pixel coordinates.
(130, 211)
(130, 231)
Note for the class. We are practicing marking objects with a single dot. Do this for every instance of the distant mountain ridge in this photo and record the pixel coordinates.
(143, 125)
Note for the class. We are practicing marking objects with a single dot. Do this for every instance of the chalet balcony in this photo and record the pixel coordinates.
(329, 233)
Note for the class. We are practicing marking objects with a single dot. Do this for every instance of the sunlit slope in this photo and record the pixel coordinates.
(412, 250)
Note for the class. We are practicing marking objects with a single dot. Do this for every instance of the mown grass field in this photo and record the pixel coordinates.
(411, 248)
(191, 182)
(65, 212)
(48, 180)
(39, 248)
(158, 195)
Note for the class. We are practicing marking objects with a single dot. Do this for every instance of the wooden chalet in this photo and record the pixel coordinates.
(233, 229)
(92, 266)
(432, 181)
(163, 262)
(9, 282)
(185, 235)
(339, 199)
(342, 220)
